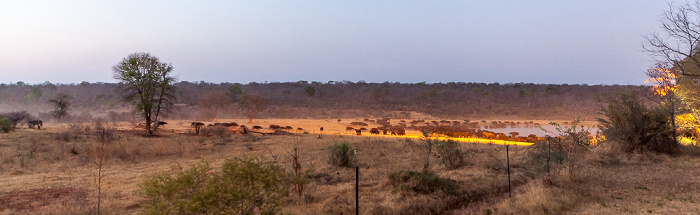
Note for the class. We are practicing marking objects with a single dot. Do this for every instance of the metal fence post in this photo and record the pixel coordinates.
(508, 167)
(357, 190)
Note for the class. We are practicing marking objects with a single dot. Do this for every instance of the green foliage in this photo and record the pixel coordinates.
(34, 94)
(301, 180)
(180, 191)
(422, 182)
(341, 155)
(149, 84)
(449, 154)
(244, 186)
(636, 126)
(251, 185)
(309, 91)
(5, 124)
(234, 91)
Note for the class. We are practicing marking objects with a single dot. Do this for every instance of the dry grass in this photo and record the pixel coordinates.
(64, 157)
(537, 198)
(608, 181)
(52, 158)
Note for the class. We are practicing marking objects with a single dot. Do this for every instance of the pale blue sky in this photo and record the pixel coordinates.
(592, 42)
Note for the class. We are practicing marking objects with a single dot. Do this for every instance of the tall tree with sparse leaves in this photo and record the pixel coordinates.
(149, 85)
(61, 103)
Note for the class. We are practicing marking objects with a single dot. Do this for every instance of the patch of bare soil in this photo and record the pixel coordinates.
(24, 200)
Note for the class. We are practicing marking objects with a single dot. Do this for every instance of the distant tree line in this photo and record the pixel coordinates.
(333, 99)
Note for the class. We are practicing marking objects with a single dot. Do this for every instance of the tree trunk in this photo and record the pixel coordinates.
(148, 125)
(427, 156)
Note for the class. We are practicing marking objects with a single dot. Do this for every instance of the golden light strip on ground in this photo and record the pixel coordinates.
(460, 139)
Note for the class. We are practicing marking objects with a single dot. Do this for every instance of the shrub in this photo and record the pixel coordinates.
(244, 186)
(16, 117)
(569, 145)
(422, 182)
(341, 155)
(5, 124)
(544, 155)
(449, 154)
(636, 125)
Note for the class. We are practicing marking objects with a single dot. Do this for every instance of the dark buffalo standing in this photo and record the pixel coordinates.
(37, 123)
(197, 126)
(226, 124)
(397, 131)
(161, 123)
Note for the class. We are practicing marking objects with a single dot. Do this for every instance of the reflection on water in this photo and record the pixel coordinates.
(524, 131)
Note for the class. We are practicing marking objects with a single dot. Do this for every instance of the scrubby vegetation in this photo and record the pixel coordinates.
(638, 126)
(5, 124)
(243, 186)
(341, 155)
(450, 154)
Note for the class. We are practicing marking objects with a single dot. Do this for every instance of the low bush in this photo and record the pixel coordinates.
(449, 154)
(17, 117)
(5, 125)
(545, 156)
(244, 186)
(638, 126)
(341, 155)
(567, 149)
(422, 182)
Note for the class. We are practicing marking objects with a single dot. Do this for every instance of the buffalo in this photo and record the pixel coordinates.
(197, 126)
(37, 123)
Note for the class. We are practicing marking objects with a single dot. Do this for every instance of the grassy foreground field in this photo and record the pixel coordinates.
(53, 171)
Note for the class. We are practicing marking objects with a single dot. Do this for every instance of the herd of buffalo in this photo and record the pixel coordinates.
(445, 128)
(452, 129)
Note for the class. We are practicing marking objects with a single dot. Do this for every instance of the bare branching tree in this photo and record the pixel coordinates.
(678, 45)
(61, 103)
(149, 84)
(676, 51)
